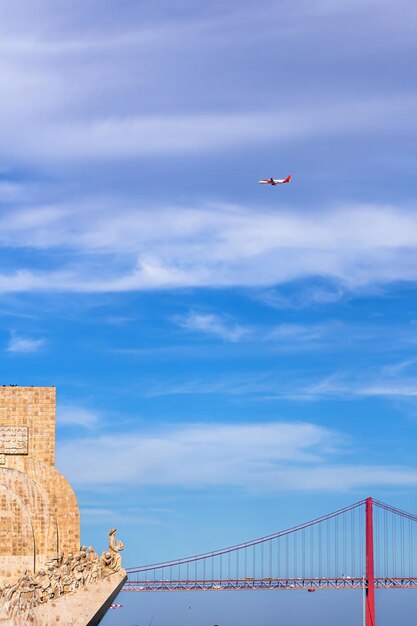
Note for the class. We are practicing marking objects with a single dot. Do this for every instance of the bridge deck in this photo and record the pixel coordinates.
(306, 584)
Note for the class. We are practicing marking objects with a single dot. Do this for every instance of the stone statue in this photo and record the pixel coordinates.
(105, 564)
(115, 546)
(92, 570)
(92, 555)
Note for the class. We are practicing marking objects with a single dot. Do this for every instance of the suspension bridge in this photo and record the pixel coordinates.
(368, 545)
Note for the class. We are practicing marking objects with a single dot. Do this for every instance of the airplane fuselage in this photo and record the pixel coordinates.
(275, 181)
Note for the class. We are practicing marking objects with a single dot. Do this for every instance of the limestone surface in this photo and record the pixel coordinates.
(40, 516)
(45, 576)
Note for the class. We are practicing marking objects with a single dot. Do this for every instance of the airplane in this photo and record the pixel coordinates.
(275, 181)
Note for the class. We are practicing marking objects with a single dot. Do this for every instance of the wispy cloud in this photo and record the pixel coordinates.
(210, 246)
(262, 457)
(139, 136)
(385, 381)
(105, 119)
(235, 385)
(70, 415)
(198, 454)
(287, 336)
(394, 369)
(128, 515)
(300, 335)
(212, 324)
(304, 296)
(24, 345)
(393, 390)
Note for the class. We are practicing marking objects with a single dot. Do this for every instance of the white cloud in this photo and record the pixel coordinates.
(194, 455)
(9, 191)
(399, 389)
(211, 246)
(300, 334)
(212, 324)
(68, 94)
(397, 368)
(387, 381)
(288, 336)
(63, 101)
(24, 345)
(263, 457)
(129, 515)
(67, 97)
(304, 297)
(70, 415)
(381, 383)
(114, 137)
(235, 385)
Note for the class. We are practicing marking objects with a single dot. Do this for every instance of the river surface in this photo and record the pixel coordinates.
(261, 608)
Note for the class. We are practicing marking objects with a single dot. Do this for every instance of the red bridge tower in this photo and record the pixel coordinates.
(370, 573)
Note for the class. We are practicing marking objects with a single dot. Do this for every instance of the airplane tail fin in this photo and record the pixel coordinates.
(287, 180)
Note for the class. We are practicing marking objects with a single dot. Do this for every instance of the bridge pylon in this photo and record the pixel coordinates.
(370, 572)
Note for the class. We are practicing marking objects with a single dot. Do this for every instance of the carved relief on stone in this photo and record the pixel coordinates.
(60, 576)
(14, 439)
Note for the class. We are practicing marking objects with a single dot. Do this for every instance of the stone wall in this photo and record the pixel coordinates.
(39, 511)
(32, 408)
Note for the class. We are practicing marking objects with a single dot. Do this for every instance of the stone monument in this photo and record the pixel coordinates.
(46, 577)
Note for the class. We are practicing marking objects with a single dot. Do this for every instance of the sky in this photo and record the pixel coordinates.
(230, 359)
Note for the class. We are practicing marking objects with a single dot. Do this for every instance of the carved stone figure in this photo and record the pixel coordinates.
(105, 563)
(83, 552)
(10, 598)
(59, 576)
(115, 546)
(92, 555)
(54, 561)
(92, 571)
(43, 583)
(68, 580)
(26, 591)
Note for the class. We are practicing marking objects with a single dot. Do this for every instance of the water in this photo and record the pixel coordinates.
(261, 608)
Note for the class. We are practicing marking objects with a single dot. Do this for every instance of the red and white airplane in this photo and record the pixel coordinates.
(275, 181)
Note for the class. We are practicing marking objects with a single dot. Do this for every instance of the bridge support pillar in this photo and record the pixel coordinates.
(370, 573)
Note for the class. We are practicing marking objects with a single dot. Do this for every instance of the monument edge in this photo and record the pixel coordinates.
(96, 619)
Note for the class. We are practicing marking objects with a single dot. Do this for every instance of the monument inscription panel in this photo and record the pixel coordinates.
(14, 439)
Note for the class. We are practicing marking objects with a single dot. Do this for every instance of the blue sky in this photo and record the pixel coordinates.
(229, 359)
